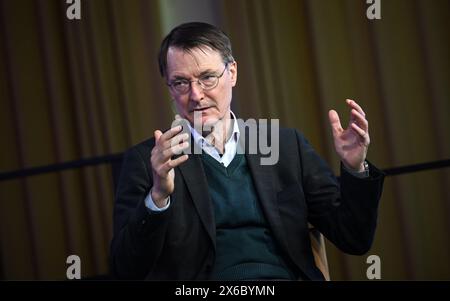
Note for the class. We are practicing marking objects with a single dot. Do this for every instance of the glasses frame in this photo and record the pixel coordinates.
(199, 82)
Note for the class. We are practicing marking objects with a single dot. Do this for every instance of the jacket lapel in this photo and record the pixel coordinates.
(195, 178)
(262, 176)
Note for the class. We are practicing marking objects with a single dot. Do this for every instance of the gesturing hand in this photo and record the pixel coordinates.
(352, 143)
(166, 146)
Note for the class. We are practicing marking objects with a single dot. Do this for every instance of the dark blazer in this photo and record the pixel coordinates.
(179, 243)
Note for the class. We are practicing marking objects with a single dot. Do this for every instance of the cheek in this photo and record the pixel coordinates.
(225, 100)
(181, 103)
(222, 98)
(182, 107)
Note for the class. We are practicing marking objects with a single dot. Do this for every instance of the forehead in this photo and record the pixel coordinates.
(190, 63)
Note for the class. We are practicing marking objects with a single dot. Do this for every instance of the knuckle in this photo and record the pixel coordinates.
(155, 151)
(170, 164)
(166, 152)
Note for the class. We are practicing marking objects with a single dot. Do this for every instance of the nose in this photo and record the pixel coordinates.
(196, 93)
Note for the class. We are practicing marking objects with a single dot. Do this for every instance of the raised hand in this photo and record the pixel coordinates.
(167, 145)
(351, 144)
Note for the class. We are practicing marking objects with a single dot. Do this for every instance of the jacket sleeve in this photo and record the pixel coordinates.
(346, 212)
(139, 233)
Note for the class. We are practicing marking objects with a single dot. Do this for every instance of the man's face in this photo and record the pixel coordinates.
(212, 105)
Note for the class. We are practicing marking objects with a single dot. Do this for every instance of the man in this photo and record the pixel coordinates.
(221, 214)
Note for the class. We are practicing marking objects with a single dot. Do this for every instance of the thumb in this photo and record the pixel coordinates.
(334, 122)
(157, 135)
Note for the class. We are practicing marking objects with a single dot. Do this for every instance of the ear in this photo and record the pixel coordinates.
(233, 71)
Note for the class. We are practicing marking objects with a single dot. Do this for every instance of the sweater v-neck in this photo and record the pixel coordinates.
(227, 171)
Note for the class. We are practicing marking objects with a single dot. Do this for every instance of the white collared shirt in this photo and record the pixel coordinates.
(230, 145)
(228, 155)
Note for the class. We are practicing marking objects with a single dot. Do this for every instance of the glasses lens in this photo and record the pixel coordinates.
(209, 82)
(181, 86)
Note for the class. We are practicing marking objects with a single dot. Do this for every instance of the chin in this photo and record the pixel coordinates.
(209, 121)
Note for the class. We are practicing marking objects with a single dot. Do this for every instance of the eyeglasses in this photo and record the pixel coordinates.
(207, 82)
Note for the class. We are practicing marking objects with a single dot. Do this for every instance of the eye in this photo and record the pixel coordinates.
(180, 83)
(208, 78)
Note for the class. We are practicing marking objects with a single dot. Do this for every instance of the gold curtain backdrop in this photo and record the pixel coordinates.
(74, 89)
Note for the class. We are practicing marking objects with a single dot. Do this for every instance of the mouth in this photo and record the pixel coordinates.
(200, 109)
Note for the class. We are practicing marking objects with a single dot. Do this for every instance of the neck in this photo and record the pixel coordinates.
(220, 133)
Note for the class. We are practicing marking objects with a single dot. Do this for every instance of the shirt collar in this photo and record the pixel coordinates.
(201, 141)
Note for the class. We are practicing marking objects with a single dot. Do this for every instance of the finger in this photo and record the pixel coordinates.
(361, 121)
(355, 106)
(169, 165)
(359, 130)
(160, 153)
(178, 139)
(174, 150)
(335, 122)
(170, 133)
(174, 163)
(161, 158)
(181, 137)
